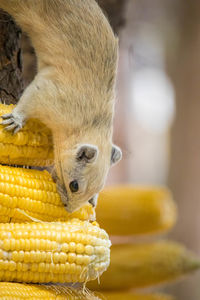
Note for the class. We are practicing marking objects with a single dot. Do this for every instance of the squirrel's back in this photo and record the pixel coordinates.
(74, 31)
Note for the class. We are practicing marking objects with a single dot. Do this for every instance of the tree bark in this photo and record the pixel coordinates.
(11, 82)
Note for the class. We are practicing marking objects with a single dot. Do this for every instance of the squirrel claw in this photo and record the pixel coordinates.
(6, 116)
(14, 123)
(93, 201)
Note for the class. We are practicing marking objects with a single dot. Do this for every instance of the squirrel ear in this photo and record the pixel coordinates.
(87, 153)
(116, 154)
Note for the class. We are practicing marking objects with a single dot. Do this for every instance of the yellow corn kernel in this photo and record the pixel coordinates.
(31, 252)
(11, 290)
(136, 210)
(32, 145)
(27, 194)
(139, 266)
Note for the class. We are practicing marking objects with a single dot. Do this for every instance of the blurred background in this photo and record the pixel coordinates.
(157, 120)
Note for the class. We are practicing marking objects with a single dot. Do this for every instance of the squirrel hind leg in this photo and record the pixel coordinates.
(13, 122)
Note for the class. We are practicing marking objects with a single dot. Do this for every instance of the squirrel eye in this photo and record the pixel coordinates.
(74, 186)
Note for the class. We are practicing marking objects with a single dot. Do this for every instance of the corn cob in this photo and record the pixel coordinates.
(139, 266)
(136, 210)
(27, 194)
(32, 145)
(19, 291)
(72, 251)
(129, 296)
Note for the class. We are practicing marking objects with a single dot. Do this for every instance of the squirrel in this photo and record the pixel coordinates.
(73, 91)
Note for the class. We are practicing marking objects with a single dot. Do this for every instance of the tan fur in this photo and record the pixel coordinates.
(73, 91)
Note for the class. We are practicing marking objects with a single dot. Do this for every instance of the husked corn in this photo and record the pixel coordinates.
(136, 210)
(32, 145)
(72, 251)
(28, 194)
(19, 291)
(145, 265)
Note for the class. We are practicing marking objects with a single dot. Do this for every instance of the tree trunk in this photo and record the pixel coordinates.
(11, 82)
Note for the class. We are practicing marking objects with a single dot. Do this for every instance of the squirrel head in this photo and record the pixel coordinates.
(81, 173)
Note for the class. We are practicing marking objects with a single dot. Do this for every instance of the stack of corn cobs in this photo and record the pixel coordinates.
(41, 243)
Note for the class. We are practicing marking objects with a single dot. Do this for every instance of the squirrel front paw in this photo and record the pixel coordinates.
(93, 201)
(13, 122)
